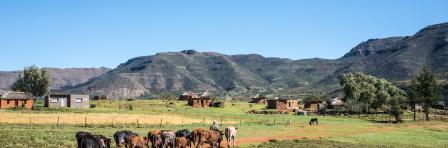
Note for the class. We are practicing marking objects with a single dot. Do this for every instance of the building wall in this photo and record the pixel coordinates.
(199, 102)
(11, 103)
(85, 103)
(29, 104)
(61, 103)
(4, 103)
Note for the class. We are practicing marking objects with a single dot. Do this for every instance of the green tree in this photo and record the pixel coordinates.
(34, 81)
(413, 98)
(426, 90)
(365, 93)
(395, 108)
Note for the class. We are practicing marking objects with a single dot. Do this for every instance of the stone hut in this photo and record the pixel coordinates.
(283, 103)
(314, 105)
(12, 99)
(67, 101)
(259, 99)
(203, 101)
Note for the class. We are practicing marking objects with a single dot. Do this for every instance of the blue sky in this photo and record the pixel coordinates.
(90, 33)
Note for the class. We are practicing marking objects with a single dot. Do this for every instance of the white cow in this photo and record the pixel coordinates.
(230, 133)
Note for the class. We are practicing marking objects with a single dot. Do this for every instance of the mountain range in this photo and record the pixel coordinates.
(396, 59)
(60, 77)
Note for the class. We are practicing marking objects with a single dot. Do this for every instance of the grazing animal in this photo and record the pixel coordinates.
(95, 141)
(185, 133)
(155, 138)
(314, 121)
(230, 133)
(79, 137)
(138, 142)
(87, 140)
(121, 137)
(181, 142)
(104, 140)
(168, 139)
(196, 136)
(211, 137)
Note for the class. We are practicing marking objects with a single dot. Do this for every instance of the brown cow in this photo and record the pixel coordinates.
(196, 136)
(138, 142)
(155, 138)
(212, 137)
(181, 142)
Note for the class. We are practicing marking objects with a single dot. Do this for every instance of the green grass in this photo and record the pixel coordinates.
(316, 144)
(333, 131)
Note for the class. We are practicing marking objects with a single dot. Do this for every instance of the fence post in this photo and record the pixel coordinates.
(274, 120)
(113, 121)
(30, 120)
(204, 121)
(138, 125)
(85, 121)
(161, 122)
(57, 124)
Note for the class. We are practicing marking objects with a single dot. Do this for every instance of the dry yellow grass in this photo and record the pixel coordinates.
(95, 118)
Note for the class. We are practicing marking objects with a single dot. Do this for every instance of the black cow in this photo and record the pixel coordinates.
(185, 133)
(121, 137)
(94, 141)
(79, 137)
(314, 121)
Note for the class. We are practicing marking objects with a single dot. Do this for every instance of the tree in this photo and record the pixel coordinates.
(365, 92)
(395, 108)
(413, 98)
(34, 81)
(425, 89)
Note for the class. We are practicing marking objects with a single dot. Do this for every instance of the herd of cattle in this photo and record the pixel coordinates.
(160, 138)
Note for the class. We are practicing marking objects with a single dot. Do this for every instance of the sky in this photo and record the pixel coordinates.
(105, 33)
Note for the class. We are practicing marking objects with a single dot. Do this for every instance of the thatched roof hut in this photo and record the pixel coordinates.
(188, 95)
(260, 99)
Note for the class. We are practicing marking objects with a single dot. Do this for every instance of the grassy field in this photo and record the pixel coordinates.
(254, 130)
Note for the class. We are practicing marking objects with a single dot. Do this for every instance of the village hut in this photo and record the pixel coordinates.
(203, 101)
(283, 103)
(259, 99)
(188, 95)
(67, 101)
(314, 105)
(12, 99)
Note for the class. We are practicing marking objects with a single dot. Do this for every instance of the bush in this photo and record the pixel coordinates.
(92, 105)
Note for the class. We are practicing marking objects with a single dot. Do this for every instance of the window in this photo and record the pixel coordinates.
(78, 100)
(54, 100)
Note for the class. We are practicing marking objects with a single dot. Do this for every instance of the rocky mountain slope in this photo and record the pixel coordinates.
(60, 78)
(395, 58)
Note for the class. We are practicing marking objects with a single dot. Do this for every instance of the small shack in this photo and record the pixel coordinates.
(283, 103)
(188, 95)
(12, 99)
(203, 101)
(259, 99)
(67, 100)
(314, 105)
